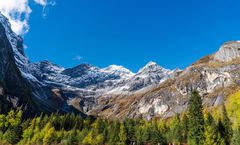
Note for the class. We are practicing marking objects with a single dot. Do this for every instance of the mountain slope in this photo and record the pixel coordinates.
(150, 75)
(214, 79)
(114, 91)
(22, 89)
(12, 82)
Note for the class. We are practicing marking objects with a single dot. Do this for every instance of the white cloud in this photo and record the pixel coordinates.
(18, 12)
(78, 58)
(41, 2)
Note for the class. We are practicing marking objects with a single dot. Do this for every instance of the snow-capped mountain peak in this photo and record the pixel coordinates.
(121, 71)
(151, 63)
(47, 66)
(152, 67)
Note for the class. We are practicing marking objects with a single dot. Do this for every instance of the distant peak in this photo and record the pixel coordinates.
(85, 66)
(115, 66)
(45, 62)
(151, 67)
(118, 70)
(150, 63)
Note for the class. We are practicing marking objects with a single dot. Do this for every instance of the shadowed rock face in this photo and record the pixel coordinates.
(10, 76)
(15, 86)
(22, 89)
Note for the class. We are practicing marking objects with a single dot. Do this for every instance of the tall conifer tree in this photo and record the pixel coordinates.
(195, 120)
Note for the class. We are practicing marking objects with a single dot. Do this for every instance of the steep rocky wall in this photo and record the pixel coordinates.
(228, 52)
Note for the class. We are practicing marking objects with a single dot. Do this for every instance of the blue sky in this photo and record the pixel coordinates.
(172, 33)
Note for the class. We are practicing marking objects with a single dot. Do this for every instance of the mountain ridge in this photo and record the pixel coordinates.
(114, 91)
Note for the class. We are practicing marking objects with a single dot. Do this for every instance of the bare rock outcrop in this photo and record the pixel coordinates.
(228, 52)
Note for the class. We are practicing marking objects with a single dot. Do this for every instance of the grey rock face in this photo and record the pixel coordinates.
(213, 81)
(228, 52)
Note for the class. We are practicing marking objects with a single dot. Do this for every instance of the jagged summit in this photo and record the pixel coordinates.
(47, 66)
(150, 64)
(228, 51)
(118, 70)
(80, 70)
(151, 68)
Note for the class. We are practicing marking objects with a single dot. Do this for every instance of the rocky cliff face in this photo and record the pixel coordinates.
(114, 91)
(10, 76)
(22, 89)
(214, 80)
(228, 52)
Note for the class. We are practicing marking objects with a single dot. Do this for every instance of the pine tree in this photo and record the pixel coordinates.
(227, 131)
(113, 133)
(49, 137)
(88, 138)
(28, 133)
(14, 131)
(130, 128)
(72, 138)
(195, 120)
(13, 134)
(176, 130)
(3, 123)
(211, 134)
(236, 137)
(122, 135)
(99, 140)
(156, 136)
(59, 136)
(14, 118)
(184, 127)
(140, 134)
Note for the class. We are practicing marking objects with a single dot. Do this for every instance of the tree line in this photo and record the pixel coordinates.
(193, 127)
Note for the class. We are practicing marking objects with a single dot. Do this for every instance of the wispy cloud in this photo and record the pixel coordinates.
(18, 12)
(78, 58)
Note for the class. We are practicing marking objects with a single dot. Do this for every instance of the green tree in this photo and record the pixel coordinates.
(95, 136)
(59, 136)
(113, 133)
(142, 134)
(195, 120)
(14, 118)
(72, 138)
(3, 123)
(122, 135)
(130, 128)
(13, 134)
(236, 137)
(49, 137)
(211, 134)
(156, 136)
(88, 138)
(28, 134)
(184, 127)
(13, 122)
(226, 131)
(176, 130)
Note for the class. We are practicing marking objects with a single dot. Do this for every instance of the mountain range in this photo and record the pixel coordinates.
(114, 91)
